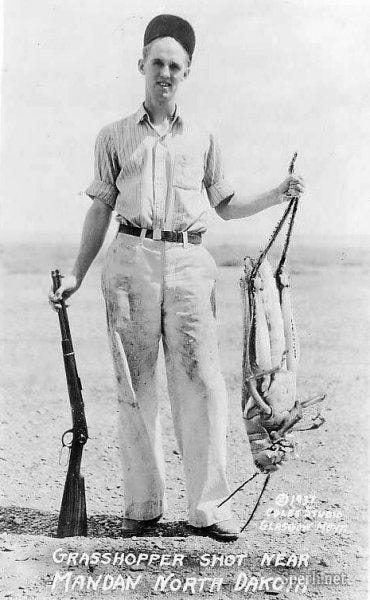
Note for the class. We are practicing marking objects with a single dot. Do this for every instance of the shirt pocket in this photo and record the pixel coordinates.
(187, 172)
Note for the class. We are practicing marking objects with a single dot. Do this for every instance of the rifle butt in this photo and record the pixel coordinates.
(73, 516)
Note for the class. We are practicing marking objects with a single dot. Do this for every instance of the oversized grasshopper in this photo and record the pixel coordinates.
(271, 355)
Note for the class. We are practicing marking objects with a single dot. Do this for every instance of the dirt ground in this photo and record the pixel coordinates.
(330, 475)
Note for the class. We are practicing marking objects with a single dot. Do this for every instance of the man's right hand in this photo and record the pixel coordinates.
(68, 287)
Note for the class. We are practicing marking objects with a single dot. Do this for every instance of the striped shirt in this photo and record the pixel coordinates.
(157, 181)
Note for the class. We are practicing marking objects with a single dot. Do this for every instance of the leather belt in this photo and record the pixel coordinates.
(167, 236)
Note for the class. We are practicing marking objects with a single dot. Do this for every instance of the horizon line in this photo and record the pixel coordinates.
(59, 237)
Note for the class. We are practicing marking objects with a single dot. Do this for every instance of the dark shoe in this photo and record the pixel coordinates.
(133, 526)
(226, 531)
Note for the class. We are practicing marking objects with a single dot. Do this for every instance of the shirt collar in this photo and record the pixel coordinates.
(142, 115)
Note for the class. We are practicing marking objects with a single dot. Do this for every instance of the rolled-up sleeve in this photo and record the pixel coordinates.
(217, 187)
(106, 170)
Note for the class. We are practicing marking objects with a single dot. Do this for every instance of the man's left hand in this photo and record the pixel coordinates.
(291, 187)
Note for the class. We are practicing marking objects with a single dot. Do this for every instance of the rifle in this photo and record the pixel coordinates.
(72, 515)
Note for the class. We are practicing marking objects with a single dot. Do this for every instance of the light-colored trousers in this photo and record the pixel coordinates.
(162, 290)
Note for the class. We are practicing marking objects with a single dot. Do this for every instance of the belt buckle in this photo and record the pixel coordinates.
(157, 234)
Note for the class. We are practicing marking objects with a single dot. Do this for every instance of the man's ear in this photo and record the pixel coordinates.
(140, 66)
(187, 72)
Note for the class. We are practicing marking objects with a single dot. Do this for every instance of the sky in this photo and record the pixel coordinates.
(269, 76)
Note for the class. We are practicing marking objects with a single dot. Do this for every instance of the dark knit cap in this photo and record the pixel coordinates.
(171, 26)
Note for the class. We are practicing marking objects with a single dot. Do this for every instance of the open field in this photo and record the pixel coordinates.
(331, 299)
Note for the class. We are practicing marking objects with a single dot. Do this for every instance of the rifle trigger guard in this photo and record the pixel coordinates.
(64, 445)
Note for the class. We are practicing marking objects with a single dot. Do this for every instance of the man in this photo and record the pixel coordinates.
(158, 171)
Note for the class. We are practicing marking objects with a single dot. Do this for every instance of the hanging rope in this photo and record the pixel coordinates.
(294, 206)
(289, 211)
(272, 239)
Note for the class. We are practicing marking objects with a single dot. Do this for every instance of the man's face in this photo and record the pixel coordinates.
(164, 68)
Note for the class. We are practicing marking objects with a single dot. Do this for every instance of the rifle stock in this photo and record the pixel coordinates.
(72, 515)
